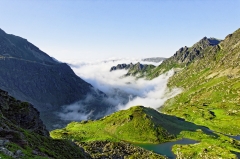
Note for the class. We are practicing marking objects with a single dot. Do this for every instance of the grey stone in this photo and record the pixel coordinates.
(3, 142)
(6, 151)
(19, 153)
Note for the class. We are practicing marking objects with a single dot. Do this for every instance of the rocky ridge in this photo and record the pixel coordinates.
(121, 66)
(184, 56)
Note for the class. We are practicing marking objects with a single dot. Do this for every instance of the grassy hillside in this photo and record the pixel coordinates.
(145, 125)
(137, 124)
(211, 88)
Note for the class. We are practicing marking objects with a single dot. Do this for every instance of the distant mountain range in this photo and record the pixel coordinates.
(154, 59)
(29, 74)
(138, 70)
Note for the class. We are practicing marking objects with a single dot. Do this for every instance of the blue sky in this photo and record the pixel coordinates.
(99, 29)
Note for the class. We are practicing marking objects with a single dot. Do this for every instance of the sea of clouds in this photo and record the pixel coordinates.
(122, 92)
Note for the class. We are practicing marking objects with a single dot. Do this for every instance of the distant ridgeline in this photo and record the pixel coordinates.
(138, 70)
(31, 75)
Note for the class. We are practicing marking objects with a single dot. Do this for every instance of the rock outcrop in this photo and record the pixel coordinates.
(187, 55)
(121, 66)
(19, 113)
(23, 134)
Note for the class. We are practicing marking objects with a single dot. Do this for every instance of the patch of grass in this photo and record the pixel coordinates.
(137, 124)
(210, 146)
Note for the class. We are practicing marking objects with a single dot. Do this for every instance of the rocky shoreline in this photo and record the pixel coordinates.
(117, 150)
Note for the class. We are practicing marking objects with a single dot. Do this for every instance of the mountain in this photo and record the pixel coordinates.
(23, 134)
(139, 70)
(184, 56)
(208, 73)
(121, 67)
(210, 97)
(211, 86)
(31, 75)
(154, 59)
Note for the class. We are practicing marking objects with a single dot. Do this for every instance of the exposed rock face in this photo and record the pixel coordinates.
(29, 74)
(22, 114)
(187, 55)
(22, 129)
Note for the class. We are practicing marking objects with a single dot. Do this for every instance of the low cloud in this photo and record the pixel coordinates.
(122, 92)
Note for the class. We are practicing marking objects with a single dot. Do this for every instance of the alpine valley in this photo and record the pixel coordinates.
(185, 106)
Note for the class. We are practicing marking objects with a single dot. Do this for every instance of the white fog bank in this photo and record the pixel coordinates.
(125, 92)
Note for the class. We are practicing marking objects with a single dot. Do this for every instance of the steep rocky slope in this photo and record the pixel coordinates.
(31, 75)
(183, 57)
(23, 135)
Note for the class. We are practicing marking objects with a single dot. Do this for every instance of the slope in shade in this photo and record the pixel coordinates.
(23, 134)
(31, 75)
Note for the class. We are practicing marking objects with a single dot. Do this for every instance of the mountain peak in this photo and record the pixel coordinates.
(188, 54)
(19, 48)
(2, 32)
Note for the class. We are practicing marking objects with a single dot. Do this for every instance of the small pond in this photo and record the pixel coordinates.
(166, 148)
